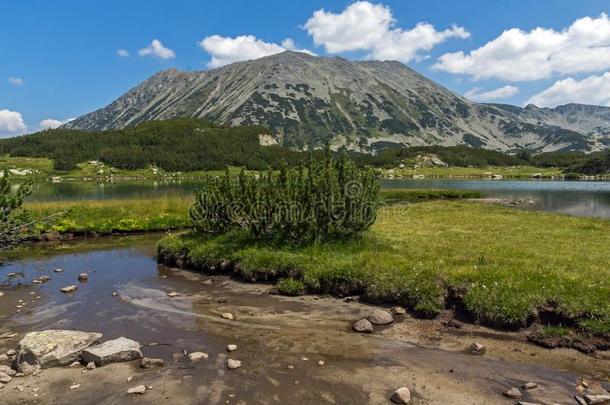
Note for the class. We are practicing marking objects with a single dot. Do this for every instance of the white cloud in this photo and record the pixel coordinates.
(156, 48)
(16, 81)
(518, 55)
(496, 94)
(226, 50)
(590, 90)
(364, 26)
(123, 53)
(51, 123)
(11, 123)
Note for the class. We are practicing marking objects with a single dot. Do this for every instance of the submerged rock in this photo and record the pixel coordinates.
(597, 399)
(363, 326)
(113, 351)
(380, 317)
(529, 386)
(401, 396)
(233, 364)
(231, 348)
(148, 362)
(50, 348)
(83, 277)
(68, 289)
(513, 393)
(198, 356)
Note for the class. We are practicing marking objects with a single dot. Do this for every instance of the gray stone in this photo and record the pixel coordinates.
(513, 393)
(50, 348)
(363, 326)
(401, 396)
(140, 389)
(3, 357)
(399, 311)
(233, 364)
(477, 349)
(7, 370)
(228, 315)
(380, 317)
(28, 369)
(83, 277)
(597, 399)
(113, 351)
(91, 366)
(68, 289)
(11, 353)
(148, 362)
(231, 348)
(5, 378)
(529, 386)
(198, 356)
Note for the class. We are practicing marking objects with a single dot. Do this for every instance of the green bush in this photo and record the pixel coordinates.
(12, 218)
(317, 200)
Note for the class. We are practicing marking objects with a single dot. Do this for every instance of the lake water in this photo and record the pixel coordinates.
(579, 198)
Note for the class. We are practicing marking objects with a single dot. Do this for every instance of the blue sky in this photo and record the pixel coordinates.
(59, 59)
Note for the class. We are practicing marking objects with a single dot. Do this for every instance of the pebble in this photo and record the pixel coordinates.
(140, 389)
(172, 294)
(529, 386)
(74, 386)
(233, 364)
(11, 352)
(83, 277)
(198, 356)
(401, 396)
(5, 378)
(91, 366)
(114, 294)
(58, 270)
(477, 349)
(228, 315)
(148, 362)
(399, 311)
(363, 326)
(68, 289)
(513, 393)
(320, 362)
(231, 348)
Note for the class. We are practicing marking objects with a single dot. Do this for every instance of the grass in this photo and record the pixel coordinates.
(478, 172)
(418, 195)
(506, 263)
(107, 216)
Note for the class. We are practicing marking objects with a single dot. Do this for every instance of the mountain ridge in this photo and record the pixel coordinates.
(307, 101)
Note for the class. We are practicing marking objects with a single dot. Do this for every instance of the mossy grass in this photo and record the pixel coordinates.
(508, 263)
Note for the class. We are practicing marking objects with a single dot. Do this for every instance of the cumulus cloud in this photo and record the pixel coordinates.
(500, 93)
(226, 50)
(123, 53)
(16, 81)
(594, 89)
(368, 27)
(518, 55)
(11, 123)
(51, 123)
(157, 49)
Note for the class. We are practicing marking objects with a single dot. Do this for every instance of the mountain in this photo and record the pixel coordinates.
(307, 101)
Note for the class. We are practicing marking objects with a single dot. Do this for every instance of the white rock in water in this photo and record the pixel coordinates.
(50, 348)
(58, 270)
(140, 389)
(113, 351)
(69, 289)
(231, 348)
(529, 386)
(172, 294)
(597, 399)
(401, 396)
(83, 277)
(380, 317)
(363, 326)
(233, 364)
(198, 356)
(228, 315)
(513, 393)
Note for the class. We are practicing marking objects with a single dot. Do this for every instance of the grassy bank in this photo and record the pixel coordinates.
(514, 172)
(501, 266)
(157, 214)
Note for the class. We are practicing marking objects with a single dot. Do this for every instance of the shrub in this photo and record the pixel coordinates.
(314, 201)
(12, 217)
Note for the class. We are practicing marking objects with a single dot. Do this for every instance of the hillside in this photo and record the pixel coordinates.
(306, 101)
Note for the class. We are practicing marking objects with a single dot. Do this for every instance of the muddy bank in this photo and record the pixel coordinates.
(280, 341)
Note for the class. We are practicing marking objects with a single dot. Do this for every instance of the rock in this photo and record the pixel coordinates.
(597, 399)
(363, 326)
(44, 279)
(177, 356)
(233, 364)
(399, 311)
(83, 277)
(50, 348)
(148, 362)
(74, 364)
(74, 386)
(580, 400)
(1, 294)
(513, 393)
(527, 403)
(351, 298)
(91, 366)
(140, 389)
(231, 348)
(68, 289)
(452, 323)
(380, 317)
(228, 315)
(5, 378)
(3, 357)
(113, 351)
(172, 294)
(8, 371)
(477, 349)
(58, 270)
(321, 362)
(11, 352)
(401, 396)
(198, 356)
(529, 386)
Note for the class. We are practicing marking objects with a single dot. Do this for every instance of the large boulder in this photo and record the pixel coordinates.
(50, 348)
(113, 351)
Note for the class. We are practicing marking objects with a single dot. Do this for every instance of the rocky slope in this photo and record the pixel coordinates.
(365, 105)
